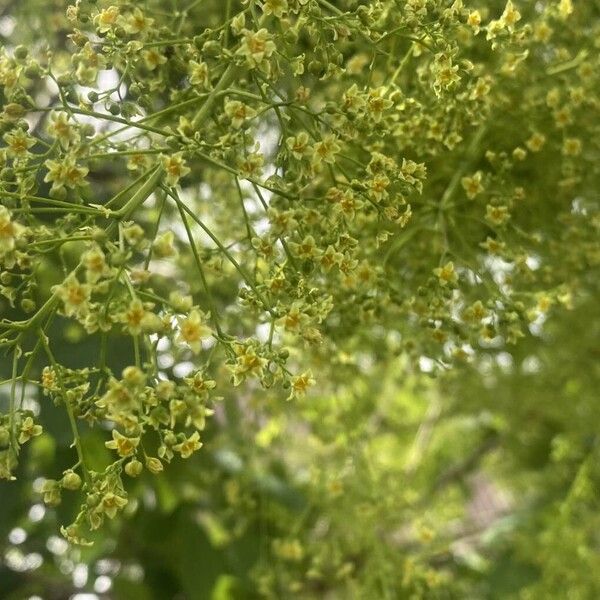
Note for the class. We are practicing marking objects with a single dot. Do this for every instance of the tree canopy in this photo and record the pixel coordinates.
(299, 299)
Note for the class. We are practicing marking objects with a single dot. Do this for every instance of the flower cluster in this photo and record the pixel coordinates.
(251, 191)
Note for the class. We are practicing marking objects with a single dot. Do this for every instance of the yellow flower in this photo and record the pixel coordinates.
(137, 22)
(192, 330)
(106, 19)
(65, 173)
(257, 46)
(133, 317)
(251, 165)
(60, 128)
(238, 112)
(175, 167)
(572, 147)
(472, 185)
(294, 320)
(133, 468)
(511, 15)
(326, 149)
(163, 245)
(70, 480)
(377, 104)
(298, 145)
(565, 8)
(111, 503)
(75, 296)
(276, 8)
(492, 246)
(536, 142)
(497, 215)
(9, 232)
(542, 32)
(189, 445)
(28, 430)
(446, 274)
(95, 264)
(125, 446)
(18, 143)
(199, 74)
(474, 20)
(300, 384)
(153, 59)
(247, 363)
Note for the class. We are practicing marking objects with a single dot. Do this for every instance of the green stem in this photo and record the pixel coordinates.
(222, 248)
(69, 408)
(226, 80)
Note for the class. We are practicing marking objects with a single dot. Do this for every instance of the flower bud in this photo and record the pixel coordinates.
(134, 468)
(153, 465)
(70, 480)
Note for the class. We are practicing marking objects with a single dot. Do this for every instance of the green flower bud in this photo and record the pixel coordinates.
(212, 49)
(21, 52)
(114, 108)
(133, 468)
(28, 305)
(70, 480)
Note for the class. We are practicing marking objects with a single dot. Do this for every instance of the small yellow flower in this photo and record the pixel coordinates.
(511, 15)
(326, 149)
(106, 19)
(446, 274)
(60, 128)
(29, 430)
(298, 145)
(189, 445)
(519, 153)
(176, 167)
(572, 147)
(125, 446)
(294, 320)
(164, 245)
(153, 58)
(377, 104)
(137, 22)
(493, 246)
(542, 32)
(238, 112)
(111, 503)
(18, 143)
(9, 232)
(65, 173)
(536, 142)
(95, 264)
(133, 468)
(474, 20)
(70, 480)
(565, 8)
(257, 46)
(472, 185)
(497, 215)
(251, 165)
(133, 317)
(247, 363)
(277, 8)
(75, 296)
(192, 330)
(300, 384)
(199, 74)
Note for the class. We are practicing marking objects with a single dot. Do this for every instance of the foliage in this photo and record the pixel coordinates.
(299, 298)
